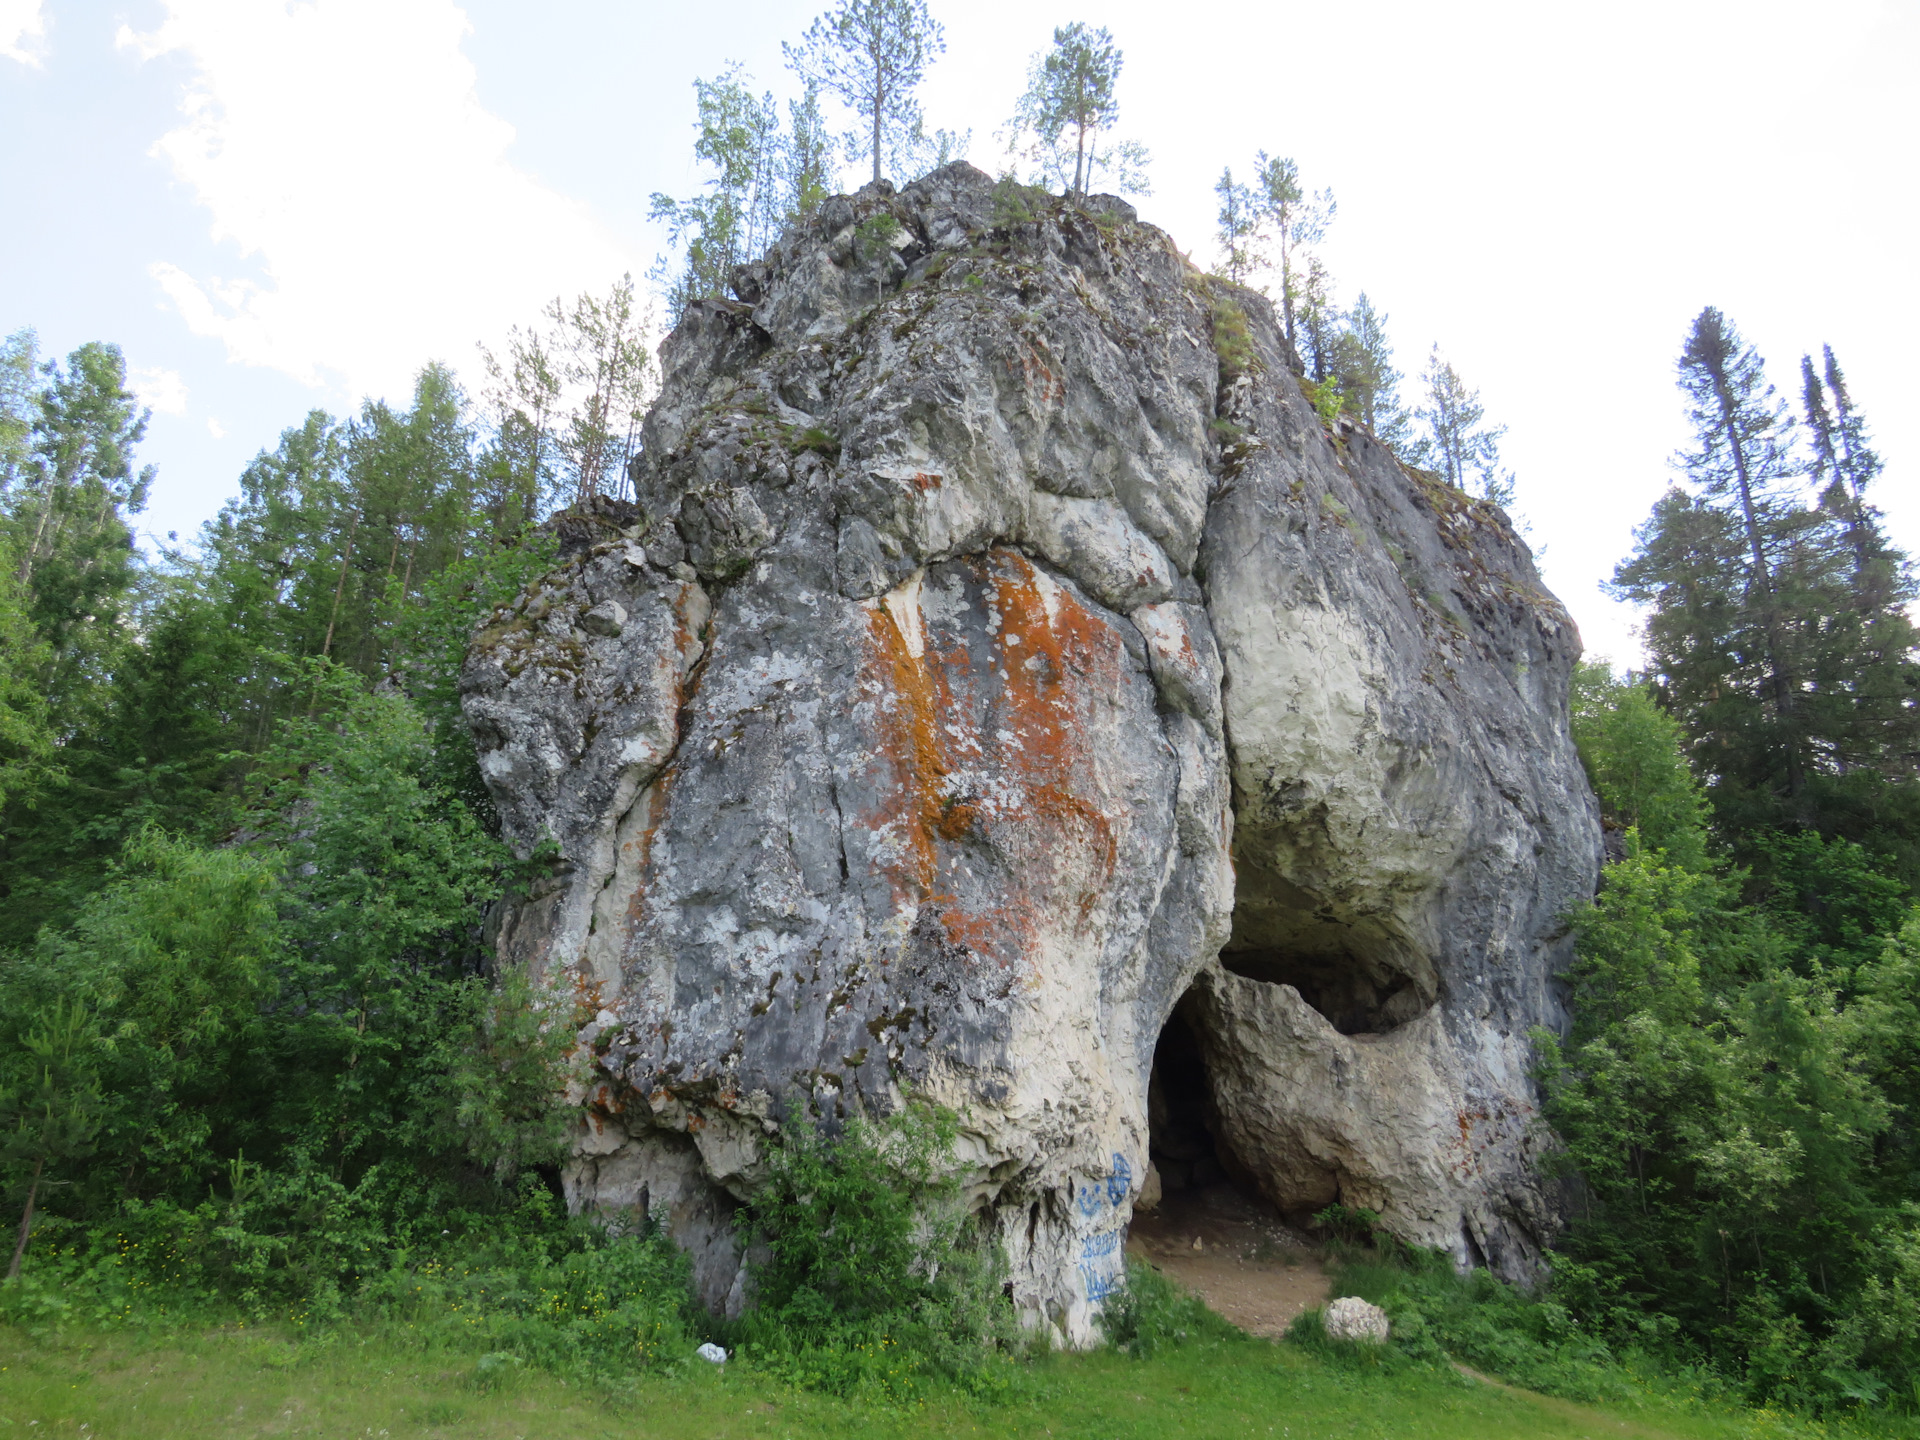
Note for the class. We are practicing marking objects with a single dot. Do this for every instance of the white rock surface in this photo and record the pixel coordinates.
(1353, 1319)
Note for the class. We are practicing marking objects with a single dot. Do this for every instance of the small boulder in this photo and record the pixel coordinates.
(1351, 1318)
(712, 1354)
(607, 620)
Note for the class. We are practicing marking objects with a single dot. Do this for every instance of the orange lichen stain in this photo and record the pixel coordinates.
(1042, 700)
(1020, 715)
(911, 737)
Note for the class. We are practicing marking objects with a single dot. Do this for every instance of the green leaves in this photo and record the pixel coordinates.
(874, 1278)
(1064, 120)
(1634, 755)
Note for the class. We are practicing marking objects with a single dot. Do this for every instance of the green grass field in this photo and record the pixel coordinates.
(232, 1383)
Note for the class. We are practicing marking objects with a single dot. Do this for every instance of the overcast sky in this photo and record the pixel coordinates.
(275, 206)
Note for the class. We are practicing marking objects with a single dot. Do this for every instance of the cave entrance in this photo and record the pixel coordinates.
(1364, 974)
(1355, 994)
(1194, 1161)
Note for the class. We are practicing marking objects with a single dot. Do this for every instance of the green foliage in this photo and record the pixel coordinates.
(876, 1279)
(1438, 1315)
(50, 1106)
(1232, 340)
(26, 728)
(1326, 398)
(1062, 122)
(1634, 754)
(1015, 204)
(1150, 1314)
(873, 237)
(871, 55)
(1349, 1225)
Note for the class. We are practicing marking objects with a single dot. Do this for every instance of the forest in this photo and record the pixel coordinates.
(255, 1061)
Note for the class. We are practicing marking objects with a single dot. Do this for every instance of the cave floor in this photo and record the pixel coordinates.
(1249, 1266)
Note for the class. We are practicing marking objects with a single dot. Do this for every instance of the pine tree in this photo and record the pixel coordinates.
(1238, 224)
(1456, 444)
(871, 55)
(1290, 218)
(1064, 119)
(1743, 456)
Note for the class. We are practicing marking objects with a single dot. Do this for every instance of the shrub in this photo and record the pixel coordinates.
(872, 1277)
(1151, 1313)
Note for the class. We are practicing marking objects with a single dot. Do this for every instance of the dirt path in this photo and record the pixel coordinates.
(1243, 1262)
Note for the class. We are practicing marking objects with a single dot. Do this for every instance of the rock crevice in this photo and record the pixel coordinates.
(998, 650)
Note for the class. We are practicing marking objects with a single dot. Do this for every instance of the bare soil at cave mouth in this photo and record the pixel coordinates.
(1249, 1266)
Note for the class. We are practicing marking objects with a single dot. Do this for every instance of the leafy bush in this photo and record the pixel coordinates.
(1150, 1313)
(871, 1278)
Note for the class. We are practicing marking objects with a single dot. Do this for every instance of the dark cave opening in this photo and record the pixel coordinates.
(1183, 1140)
(1354, 997)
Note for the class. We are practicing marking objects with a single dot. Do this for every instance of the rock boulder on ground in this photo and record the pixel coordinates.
(1355, 1320)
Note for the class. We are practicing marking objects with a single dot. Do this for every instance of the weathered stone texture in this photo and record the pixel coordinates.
(910, 727)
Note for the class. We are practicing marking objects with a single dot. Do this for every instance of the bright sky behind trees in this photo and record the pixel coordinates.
(275, 206)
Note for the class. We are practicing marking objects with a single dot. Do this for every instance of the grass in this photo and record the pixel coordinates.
(229, 1383)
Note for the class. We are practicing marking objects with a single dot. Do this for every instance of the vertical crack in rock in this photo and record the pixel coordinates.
(1056, 666)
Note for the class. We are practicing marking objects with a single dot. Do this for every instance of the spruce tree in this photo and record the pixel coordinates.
(1363, 359)
(1777, 630)
(1844, 465)
(1742, 461)
(1319, 321)
(871, 55)
(807, 153)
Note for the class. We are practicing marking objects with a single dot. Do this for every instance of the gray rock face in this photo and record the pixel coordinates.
(990, 681)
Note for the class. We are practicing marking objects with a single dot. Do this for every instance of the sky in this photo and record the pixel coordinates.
(279, 206)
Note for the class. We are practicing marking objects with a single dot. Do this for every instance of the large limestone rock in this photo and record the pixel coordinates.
(999, 653)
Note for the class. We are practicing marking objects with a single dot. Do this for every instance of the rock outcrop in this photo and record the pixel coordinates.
(1000, 667)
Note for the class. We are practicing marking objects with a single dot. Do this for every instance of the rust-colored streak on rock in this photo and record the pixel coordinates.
(910, 737)
(1020, 712)
(1044, 705)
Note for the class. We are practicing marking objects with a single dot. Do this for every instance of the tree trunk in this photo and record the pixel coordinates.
(26, 1219)
(346, 556)
(1778, 676)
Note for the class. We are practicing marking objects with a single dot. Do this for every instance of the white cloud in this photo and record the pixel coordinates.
(216, 429)
(341, 147)
(162, 391)
(21, 21)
